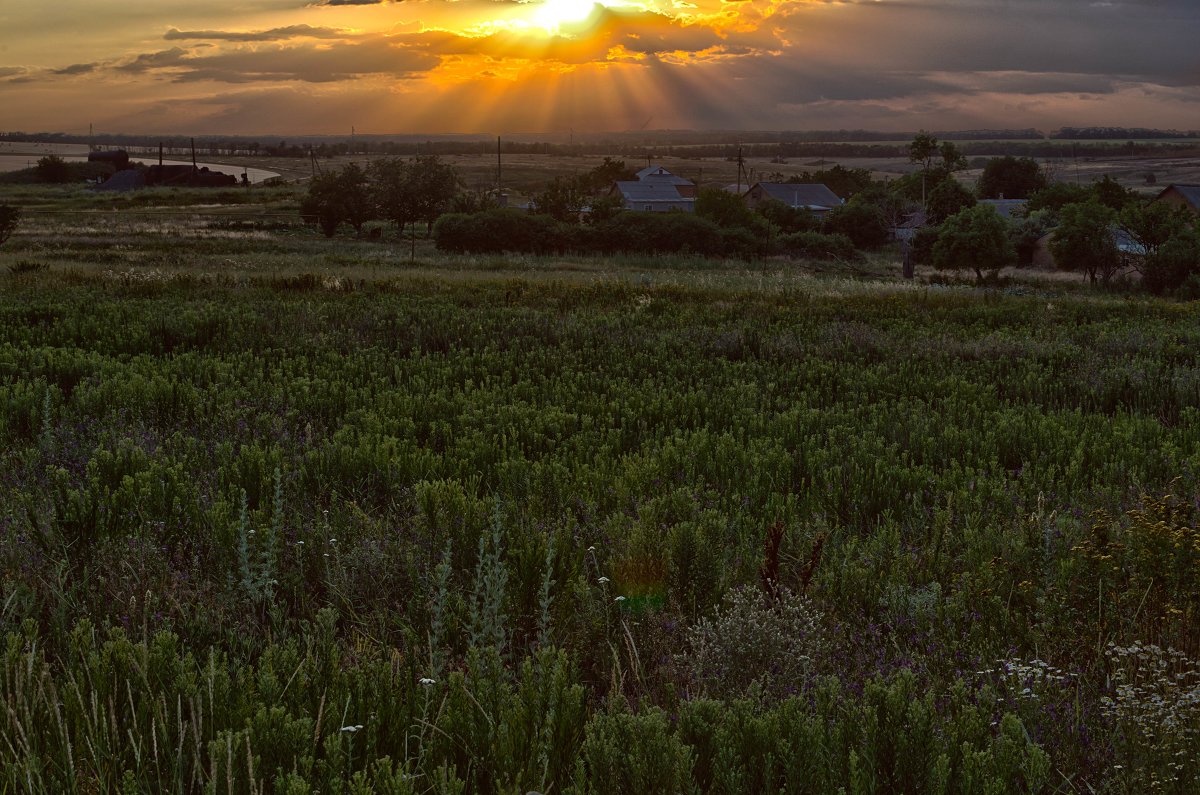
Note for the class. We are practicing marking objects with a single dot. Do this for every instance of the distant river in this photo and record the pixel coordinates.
(16, 162)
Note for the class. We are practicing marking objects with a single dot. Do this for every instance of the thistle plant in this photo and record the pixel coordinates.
(437, 615)
(545, 597)
(487, 627)
(46, 440)
(257, 556)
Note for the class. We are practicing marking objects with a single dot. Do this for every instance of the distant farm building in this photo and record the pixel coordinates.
(1182, 196)
(188, 177)
(656, 190)
(811, 196)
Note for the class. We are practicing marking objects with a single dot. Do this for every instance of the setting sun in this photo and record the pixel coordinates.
(553, 13)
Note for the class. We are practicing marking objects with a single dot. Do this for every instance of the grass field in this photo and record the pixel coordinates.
(287, 514)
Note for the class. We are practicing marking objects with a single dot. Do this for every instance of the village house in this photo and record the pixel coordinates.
(1181, 196)
(813, 196)
(656, 190)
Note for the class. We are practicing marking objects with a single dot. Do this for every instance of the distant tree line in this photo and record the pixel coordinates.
(669, 143)
(1120, 133)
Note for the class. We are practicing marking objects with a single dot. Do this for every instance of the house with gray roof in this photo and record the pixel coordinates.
(657, 190)
(1181, 196)
(808, 196)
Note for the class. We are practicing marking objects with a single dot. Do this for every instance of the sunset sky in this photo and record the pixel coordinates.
(289, 66)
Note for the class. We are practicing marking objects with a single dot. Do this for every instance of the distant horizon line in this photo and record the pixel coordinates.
(748, 136)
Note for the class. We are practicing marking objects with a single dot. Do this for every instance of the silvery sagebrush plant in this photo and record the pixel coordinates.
(751, 639)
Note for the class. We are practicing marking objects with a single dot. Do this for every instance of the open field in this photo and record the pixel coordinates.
(287, 514)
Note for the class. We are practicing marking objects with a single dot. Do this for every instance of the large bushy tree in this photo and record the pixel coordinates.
(863, 223)
(337, 197)
(949, 198)
(1084, 241)
(1152, 224)
(1011, 178)
(53, 168)
(1171, 263)
(975, 238)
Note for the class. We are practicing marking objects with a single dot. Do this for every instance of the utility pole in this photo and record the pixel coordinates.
(499, 169)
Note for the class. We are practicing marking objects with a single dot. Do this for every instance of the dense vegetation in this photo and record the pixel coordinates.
(292, 531)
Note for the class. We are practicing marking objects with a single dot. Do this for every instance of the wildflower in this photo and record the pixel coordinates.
(299, 543)
(619, 599)
(350, 729)
(602, 580)
(591, 549)
(426, 681)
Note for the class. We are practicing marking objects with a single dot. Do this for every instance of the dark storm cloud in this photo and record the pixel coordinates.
(1150, 39)
(76, 69)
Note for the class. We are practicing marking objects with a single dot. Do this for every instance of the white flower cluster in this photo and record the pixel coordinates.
(1026, 677)
(1155, 702)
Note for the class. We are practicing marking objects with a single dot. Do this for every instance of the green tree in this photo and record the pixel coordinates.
(1152, 224)
(1084, 241)
(10, 217)
(923, 149)
(949, 198)
(53, 168)
(434, 185)
(952, 159)
(1011, 178)
(845, 182)
(727, 210)
(1024, 234)
(563, 200)
(863, 223)
(605, 208)
(1057, 195)
(1112, 194)
(393, 191)
(604, 175)
(1172, 262)
(337, 197)
(977, 238)
(787, 219)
